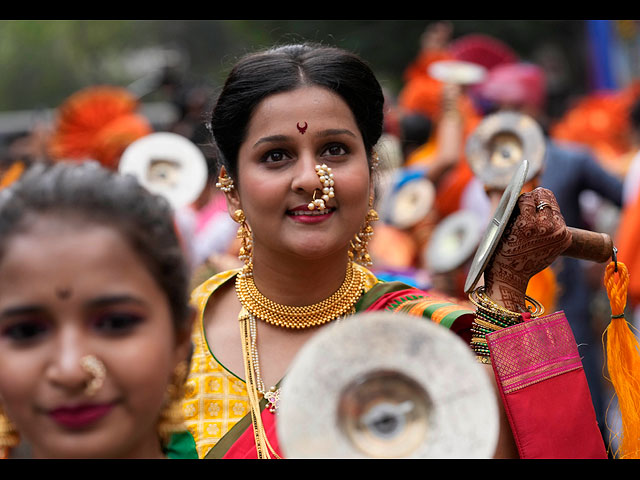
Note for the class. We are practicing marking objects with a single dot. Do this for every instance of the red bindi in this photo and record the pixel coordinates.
(303, 128)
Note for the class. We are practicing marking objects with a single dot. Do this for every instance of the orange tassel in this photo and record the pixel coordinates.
(623, 361)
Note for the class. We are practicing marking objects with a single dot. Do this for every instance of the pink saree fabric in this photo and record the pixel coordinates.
(537, 368)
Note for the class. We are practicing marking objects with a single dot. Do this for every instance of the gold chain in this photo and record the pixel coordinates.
(338, 304)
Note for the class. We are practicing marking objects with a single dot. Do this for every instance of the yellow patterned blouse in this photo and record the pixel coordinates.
(216, 399)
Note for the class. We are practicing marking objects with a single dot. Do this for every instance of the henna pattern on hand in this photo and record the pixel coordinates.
(532, 240)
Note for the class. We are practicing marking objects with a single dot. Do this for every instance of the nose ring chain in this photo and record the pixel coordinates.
(326, 180)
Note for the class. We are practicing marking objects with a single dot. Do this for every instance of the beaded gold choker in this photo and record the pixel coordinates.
(340, 303)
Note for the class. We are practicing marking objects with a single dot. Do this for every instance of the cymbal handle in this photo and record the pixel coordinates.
(588, 245)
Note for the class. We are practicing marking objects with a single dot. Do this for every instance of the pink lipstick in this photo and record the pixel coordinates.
(80, 416)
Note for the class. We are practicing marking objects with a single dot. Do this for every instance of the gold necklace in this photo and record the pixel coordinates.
(256, 306)
(338, 304)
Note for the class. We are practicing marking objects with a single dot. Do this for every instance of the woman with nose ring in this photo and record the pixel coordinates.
(94, 317)
(296, 127)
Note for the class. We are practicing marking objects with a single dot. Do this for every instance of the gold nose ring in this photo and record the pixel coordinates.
(97, 370)
(326, 180)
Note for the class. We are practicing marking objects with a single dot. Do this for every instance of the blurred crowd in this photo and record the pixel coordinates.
(434, 207)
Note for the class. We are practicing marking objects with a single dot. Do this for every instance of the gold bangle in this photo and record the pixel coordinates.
(480, 340)
(481, 300)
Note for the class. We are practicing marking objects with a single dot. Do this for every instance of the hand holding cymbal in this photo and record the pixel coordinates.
(534, 237)
(525, 235)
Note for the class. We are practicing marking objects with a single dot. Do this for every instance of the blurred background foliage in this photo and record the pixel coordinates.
(44, 61)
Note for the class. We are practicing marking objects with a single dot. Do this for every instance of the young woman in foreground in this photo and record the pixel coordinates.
(94, 316)
(297, 127)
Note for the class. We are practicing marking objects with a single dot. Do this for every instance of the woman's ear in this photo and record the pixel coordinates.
(233, 199)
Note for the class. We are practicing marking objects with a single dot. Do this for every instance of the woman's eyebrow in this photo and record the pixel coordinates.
(271, 138)
(21, 310)
(335, 131)
(324, 133)
(108, 300)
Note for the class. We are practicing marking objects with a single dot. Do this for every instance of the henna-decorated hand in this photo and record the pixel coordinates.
(535, 236)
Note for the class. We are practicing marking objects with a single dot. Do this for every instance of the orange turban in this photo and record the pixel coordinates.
(97, 123)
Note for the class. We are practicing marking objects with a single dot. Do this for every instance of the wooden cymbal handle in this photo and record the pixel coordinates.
(588, 245)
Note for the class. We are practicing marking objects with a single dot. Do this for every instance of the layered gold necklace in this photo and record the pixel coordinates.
(255, 306)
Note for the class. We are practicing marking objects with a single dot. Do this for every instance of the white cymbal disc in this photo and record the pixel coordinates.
(457, 72)
(453, 242)
(382, 385)
(412, 202)
(167, 164)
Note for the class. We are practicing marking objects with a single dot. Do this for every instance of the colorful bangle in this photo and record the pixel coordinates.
(490, 317)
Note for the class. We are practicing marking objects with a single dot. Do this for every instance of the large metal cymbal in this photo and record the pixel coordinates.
(498, 145)
(411, 202)
(496, 226)
(453, 242)
(382, 385)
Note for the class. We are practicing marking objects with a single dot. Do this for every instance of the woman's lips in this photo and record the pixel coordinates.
(302, 214)
(80, 416)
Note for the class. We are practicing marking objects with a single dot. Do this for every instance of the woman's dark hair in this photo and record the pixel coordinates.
(286, 68)
(93, 194)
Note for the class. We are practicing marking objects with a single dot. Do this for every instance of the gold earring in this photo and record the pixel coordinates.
(225, 183)
(97, 370)
(172, 417)
(245, 254)
(359, 246)
(375, 160)
(9, 436)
